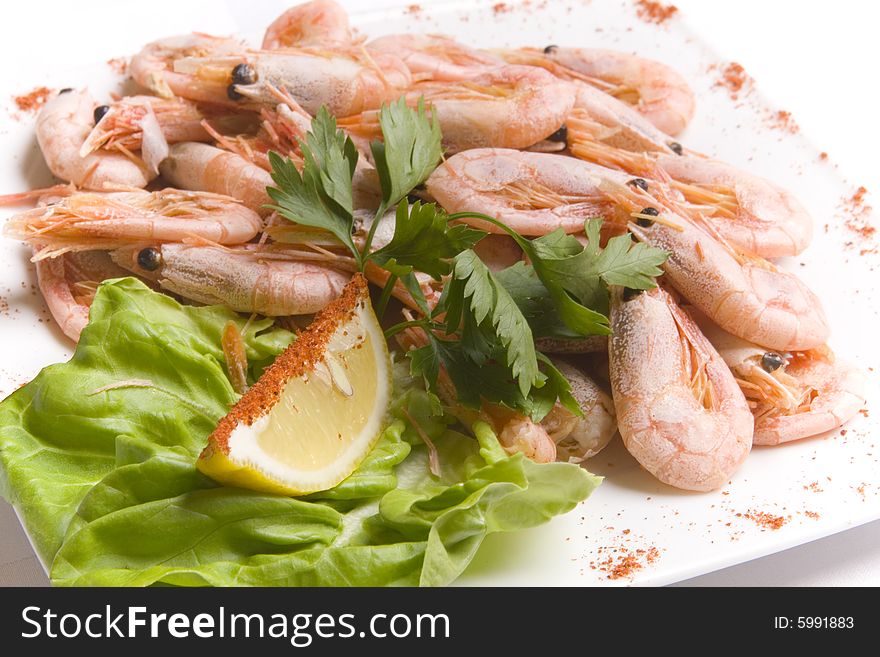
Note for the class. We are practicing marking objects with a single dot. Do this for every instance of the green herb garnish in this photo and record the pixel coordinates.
(482, 332)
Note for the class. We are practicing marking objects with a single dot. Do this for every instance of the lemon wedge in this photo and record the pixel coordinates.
(316, 413)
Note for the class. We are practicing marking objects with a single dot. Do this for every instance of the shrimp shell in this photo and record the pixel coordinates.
(680, 412)
(768, 221)
(201, 167)
(318, 23)
(433, 57)
(345, 81)
(657, 91)
(63, 125)
(68, 284)
(89, 220)
(580, 438)
(533, 193)
(504, 107)
(811, 393)
(192, 66)
(242, 279)
(747, 296)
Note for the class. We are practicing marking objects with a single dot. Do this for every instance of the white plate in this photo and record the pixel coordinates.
(817, 487)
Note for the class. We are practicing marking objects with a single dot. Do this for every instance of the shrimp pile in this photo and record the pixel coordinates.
(729, 351)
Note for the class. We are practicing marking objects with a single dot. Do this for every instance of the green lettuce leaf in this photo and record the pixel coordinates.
(58, 434)
(98, 456)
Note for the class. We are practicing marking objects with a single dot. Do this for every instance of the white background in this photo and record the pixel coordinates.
(816, 59)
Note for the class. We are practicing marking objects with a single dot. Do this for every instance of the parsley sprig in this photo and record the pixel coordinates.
(482, 331)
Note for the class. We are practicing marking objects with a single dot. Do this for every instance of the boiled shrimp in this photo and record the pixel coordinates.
(580, 438)
(248, 278)
(498, 252)
(755, 215)
(192, 66)
(202, 167)
(316, 23)
(280, 129)
(346, 81)
(537, 193)
(68, 284)
(533, 193)
(680, 412)
(88, 221)
(63, 127)
(126, 123)
(432, 57)
(655, 90)
(792, 395)
(746, 295)
(504, 107)
(598, 117)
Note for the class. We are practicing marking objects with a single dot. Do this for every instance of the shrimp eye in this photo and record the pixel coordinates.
(66, 90)
(99, 112)
(232, 94)
(676, 148)
(549, 50)
(629, 293)
(643, 221)
(560, 135)
(150, 259)
(243, 74)
(771, 361)
(641, 183)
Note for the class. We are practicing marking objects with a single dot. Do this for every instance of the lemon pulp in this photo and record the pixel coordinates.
(316, 413)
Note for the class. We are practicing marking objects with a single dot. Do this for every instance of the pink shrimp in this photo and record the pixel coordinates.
(746, 295)
(63, 126)
(754, 214)
(432, 57)
(192, 66)
(580, 438)
(533, 193)
(498, 252)
(224, 72)
(248, 278)
(757, 216)
(347, 81)
(68, 284)
(600, 118)
(123, 125)
(679, 409)
(655, 90)
(88, 221)
(200, 167)
(792, 395)
(146, 124)
(536, 193)
(504, 107)
(316, 23)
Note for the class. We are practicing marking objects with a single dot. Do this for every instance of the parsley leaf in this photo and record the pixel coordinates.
(557, 387)
(587, 274)
(533, 300)
(424, 240)
(320, 197)
(576, 277)
(409, 152)
(490, 381)
(473, 289)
